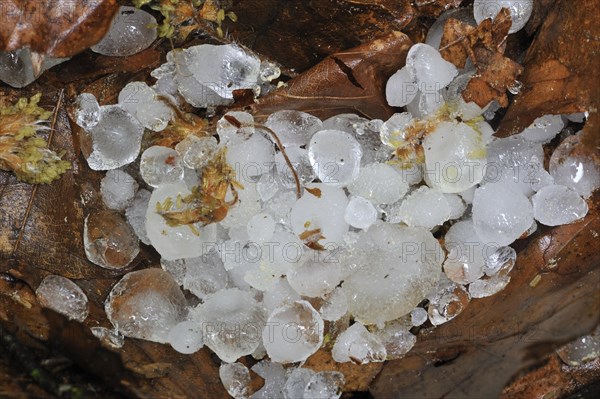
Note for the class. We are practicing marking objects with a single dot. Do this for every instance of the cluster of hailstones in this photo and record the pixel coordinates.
(324, 221)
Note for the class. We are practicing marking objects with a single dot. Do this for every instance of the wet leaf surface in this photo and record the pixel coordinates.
(56, 28)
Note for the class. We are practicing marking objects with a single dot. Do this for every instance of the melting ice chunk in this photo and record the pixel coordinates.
(116, 139)
(118, 189)
(321, 208)
(356, 344)
(572, 167)
(294, 127)
(447, 302)
(146, 304)
(293, 332)
(63, 296)
(87, 111)
(543, 129)
(140, 101)
(231, 323)
(109, 241)
(16, 67)
(397, 338)
(360, 213)
(160, 165)
(455, 157)
(315, 278)
(136, 214)
(401, 88)
(555, 205)
(501, 213)
(335, 156)
(186, 337)
(335, 306)
(132, 31)
(325, 385)
(430, 70)
(380, 183)
(236, 379)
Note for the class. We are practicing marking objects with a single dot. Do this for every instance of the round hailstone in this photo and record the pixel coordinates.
(335, 156)
(555, 205)
(63, 296)
(401, 88)
(335, 306)
(543, 129)
(87, 111)
(140, 100)
(132, 30)
(146, 304)
(515, 161)
(455, 157)
(232, 321)
(251, 158)
(261, 227)
(485, 287)
(296, 383)
(116, 139)
(393, 131)
(447, 302)
(186, 337)
(430, 70)
(425, 207)
(321, 208)
(520, 11)
(236, 379)
(466, 253)
(418, 316)
(380, 183)
(118, 189)
(136, 214)
(109, 241)
(248, 205)
(231, 134)
(196, 151)
(293, 332)
(397, 338)
(280, 294)
(205, 275)
(299, 159)
(356, 344)
(314, 278)
(160, 165)
(457, 205)
(180, 241)
(400, 267)
(572, 167)
(108, 337)
(500, 261)
(275, 378)
(201, 79)
(501, 213)
(325, 385)
(360, 213)
(293, 127)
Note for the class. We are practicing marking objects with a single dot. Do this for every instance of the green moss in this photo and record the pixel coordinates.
(22, 151)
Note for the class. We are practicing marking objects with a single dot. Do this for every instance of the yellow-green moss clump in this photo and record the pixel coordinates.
(22, 151)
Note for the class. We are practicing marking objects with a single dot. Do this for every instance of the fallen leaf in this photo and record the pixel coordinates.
(485, 46)
(55, 28)
(347, 81)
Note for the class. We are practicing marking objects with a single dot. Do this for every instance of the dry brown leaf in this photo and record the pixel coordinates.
(56, 28)
(485, 46)
(348, 81)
